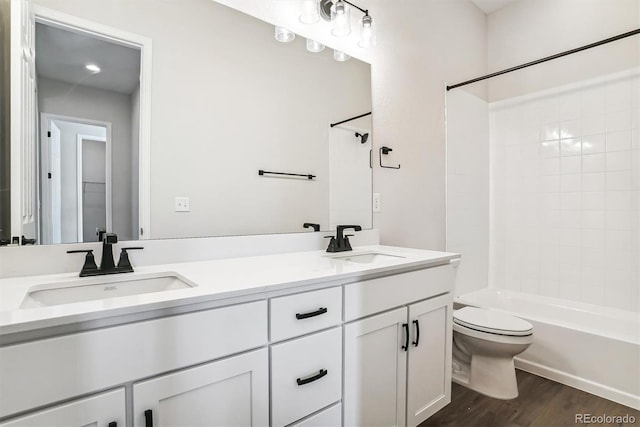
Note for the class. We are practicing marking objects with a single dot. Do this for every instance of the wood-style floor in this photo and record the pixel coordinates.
(541, 403)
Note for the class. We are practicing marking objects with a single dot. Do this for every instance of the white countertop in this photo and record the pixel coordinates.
(215, 280)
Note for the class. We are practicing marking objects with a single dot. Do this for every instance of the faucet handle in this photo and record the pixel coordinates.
(124, 262)
(89, 260)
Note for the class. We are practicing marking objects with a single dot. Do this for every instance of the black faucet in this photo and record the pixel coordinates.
(340, 243)
(316, 227)
(107, 264)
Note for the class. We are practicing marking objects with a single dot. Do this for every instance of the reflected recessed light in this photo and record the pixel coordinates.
(339, 55)
(284, 36)
(93, 68)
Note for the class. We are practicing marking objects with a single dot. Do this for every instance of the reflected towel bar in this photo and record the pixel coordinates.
(263, 172)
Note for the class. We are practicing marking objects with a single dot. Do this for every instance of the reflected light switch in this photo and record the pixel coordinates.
(182, 204)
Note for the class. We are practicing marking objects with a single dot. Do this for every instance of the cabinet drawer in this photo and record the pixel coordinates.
(330, 417)
(376, 295)
(306, 375)
(299, 314)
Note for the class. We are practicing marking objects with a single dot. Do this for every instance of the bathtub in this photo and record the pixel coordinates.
(591, 348)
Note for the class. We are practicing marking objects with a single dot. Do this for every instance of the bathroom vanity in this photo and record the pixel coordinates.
(305, 339)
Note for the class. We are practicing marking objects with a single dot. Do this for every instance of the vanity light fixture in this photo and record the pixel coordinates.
(338, 13)
(93, 68)
(314, 46)
(340, 56)
(283, 35)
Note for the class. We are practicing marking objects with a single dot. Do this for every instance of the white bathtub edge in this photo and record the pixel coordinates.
(579, 383)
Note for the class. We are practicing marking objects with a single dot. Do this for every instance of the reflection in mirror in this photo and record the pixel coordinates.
(87, 103)
(228, 100)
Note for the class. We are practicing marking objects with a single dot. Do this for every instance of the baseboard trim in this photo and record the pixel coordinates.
(579, 383)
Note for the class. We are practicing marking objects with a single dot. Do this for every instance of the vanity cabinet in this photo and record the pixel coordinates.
(105, 409)
(397, 364)
(233, 392)
(370, 352)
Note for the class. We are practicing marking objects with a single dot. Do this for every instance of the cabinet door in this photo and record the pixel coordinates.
(429, 372)
(230, 392)
(375, 370)
(106, 409)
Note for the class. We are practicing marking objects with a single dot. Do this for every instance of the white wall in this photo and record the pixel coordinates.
(565, 181)
(468, 188)
(77, 101)
(528, 30)
(422, 45)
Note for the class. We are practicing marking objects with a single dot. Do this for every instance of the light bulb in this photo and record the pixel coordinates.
(367, 32)
(314, 46)
(283, 35)
(340, 19)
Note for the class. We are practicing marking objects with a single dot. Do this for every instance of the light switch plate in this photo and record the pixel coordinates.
(182, 204)
(376, 202)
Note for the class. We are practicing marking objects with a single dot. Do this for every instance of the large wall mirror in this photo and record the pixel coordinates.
(219, 99)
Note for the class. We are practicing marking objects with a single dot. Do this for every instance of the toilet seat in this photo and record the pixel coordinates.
(485, 320)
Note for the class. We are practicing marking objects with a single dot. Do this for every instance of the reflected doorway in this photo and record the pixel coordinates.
(75, 179)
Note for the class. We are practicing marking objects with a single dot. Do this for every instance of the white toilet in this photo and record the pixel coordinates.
(484, 344)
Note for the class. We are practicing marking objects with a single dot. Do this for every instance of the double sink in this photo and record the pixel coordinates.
(120, 285)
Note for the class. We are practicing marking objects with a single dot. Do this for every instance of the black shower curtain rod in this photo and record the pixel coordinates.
(349, 119)
(548, 58)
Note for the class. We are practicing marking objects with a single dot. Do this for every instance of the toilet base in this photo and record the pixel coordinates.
(492, 376)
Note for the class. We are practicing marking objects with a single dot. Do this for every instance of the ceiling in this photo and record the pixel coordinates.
(490, 6)
(62, 55)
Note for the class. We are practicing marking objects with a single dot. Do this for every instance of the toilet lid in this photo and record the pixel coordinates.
(482, 319)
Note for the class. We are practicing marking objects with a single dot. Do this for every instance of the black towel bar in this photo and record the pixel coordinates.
(308, 176)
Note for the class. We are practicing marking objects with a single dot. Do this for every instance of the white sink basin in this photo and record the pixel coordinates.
(101, 287)
(368, 258)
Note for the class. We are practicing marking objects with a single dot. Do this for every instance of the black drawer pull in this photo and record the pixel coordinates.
(405, 326)
(318, 312)
(148, 418)
(415, 343)
(303, 381)
(113, 424)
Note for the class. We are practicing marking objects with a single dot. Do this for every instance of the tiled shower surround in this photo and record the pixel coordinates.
(565, 186)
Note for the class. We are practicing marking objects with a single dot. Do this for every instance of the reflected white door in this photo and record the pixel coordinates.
(23, 122)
